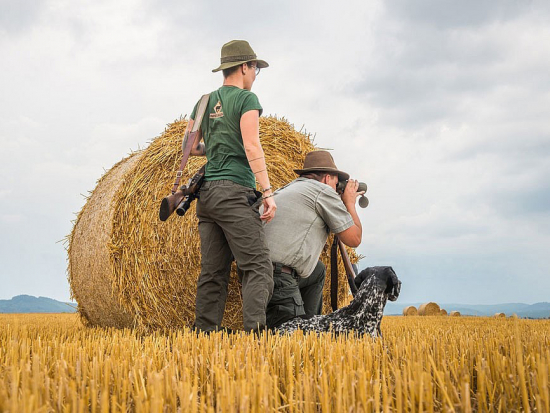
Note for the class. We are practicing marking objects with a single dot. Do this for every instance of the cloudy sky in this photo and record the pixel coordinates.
(442, 107)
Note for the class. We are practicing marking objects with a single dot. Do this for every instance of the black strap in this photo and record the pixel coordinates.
(277, 267)
(334, 274)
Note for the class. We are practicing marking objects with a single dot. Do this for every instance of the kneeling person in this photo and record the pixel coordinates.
(309, 209)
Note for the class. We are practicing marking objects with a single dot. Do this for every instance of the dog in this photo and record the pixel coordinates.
(363, 315)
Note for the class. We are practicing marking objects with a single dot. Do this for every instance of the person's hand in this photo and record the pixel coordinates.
(350, 193)
(269, 209)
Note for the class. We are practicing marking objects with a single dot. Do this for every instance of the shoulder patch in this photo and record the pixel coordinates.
(218, 113)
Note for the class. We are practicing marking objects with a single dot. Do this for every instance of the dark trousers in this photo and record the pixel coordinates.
(230, 227)
(294, 296)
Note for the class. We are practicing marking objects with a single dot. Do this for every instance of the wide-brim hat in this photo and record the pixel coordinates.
(321, 161)
(237, 52)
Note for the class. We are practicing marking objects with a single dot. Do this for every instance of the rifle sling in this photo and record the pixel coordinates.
(189, 139)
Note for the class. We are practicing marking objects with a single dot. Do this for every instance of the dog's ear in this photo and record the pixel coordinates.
(394, 285)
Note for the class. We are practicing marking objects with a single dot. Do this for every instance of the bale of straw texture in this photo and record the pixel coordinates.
(454, 313)
(429, 309)
(442, 312)
(498, 315)
(410, 310)
(89, 254)
(137, 270)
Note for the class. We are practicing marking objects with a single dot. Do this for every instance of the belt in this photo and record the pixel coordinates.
(283, 268)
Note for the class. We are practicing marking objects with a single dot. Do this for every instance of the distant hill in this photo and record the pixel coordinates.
(30, 304)
(537, 310)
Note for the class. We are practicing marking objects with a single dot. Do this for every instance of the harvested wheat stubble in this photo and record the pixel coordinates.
(148, 268)
(410, 310)
(499, 315)
(429, 309)
(454, 313)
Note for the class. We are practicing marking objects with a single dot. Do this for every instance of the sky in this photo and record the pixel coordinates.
(442, 107)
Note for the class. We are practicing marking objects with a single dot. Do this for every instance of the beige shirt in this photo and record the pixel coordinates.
(307, 211)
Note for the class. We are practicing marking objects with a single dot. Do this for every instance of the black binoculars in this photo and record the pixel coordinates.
(185, 204)
(363, 200)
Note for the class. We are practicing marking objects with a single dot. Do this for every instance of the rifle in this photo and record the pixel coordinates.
(172, 202)
(181, 200)
(350, 272)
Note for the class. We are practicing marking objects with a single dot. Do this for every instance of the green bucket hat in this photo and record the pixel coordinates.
(237, 52)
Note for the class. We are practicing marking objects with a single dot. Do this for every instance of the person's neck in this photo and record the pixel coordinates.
(234, 81)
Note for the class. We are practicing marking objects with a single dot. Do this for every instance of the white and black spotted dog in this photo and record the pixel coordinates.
(363, 315)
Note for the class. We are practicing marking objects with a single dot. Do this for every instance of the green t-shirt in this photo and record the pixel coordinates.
(221, 131)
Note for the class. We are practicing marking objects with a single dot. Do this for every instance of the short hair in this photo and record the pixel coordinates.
(318, 176)
(230, 70)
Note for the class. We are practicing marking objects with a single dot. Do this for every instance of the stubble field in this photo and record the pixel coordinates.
(53, 363)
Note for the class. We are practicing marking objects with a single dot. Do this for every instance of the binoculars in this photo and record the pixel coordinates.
(185, 204)
(363, 200)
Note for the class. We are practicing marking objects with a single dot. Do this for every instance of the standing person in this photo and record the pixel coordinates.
(230, 225)
(309, 209)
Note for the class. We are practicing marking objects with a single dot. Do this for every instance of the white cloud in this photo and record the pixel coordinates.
(441, 107)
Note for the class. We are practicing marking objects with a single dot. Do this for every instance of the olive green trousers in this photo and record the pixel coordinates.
(230, 228)
(294, 296)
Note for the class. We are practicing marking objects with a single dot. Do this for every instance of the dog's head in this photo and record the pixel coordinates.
(385, 277)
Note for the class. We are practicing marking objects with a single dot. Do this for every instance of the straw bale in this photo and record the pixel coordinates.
(151, 267)
(454, 313)
(429, 309)
(410, 310)
(499, 315)
(442, 312)
(89, 253)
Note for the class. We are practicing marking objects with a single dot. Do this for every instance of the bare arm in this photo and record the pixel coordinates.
(256, 159)
(353, 235)
(198, 148)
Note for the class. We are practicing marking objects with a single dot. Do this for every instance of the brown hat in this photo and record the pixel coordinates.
(321, 161)
(237, 52)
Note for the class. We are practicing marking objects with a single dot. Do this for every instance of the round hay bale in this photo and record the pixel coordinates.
(499, 315)
(88, 251)
(429, 309)
(442, 312)
(454, 313)
(410, 310)
(127, 268)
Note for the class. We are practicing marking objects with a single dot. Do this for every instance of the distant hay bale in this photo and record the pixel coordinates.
(410, 310)
(442, 312)
(454, 314)
(429, 309)
(127, 268)
(499, 315)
